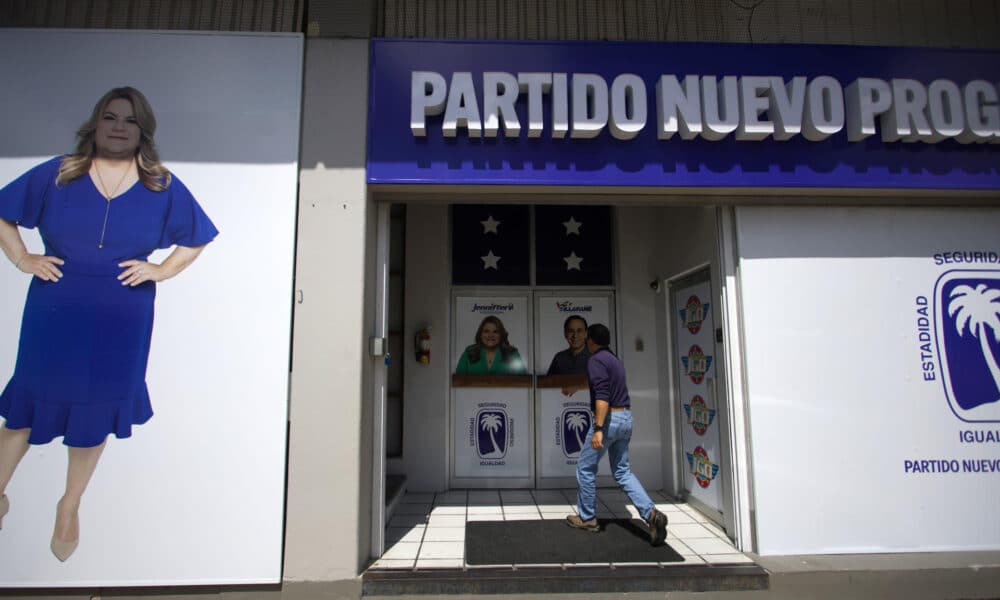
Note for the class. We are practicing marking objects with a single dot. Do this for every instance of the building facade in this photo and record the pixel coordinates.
(821, 178)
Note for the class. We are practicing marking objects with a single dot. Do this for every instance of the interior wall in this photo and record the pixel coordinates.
(427, 280)
(638, 234)
(687, 238)
(327, 525)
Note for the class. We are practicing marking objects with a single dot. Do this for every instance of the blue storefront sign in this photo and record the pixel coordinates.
(683, 115)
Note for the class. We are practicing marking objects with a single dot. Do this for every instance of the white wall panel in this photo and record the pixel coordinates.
(196, 495)
(837, 394)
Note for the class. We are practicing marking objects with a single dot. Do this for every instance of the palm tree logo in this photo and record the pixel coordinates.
(491, 422)
(976, 309)
(576, 422)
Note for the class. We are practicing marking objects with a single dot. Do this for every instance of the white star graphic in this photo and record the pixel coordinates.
(490, 225)
(490, 261)
(572, 261)
(572, 226)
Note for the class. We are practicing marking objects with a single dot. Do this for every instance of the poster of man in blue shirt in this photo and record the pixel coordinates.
(572, 360)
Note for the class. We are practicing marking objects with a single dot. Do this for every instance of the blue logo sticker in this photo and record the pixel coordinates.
(575, 425)
(492, 438)
(967, 314)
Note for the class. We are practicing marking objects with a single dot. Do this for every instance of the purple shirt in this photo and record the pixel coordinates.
(606, 376)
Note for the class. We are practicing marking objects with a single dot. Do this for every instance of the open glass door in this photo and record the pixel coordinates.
(692, 315)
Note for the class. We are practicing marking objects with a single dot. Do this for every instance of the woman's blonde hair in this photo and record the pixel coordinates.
(152, 173)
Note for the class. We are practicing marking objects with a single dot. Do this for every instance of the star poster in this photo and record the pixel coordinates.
(573, 245)
(490, 244)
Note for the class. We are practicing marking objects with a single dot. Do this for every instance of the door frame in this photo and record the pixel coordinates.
(378, 350)
(740, 524)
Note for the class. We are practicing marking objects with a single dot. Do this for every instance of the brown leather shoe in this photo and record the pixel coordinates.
(657, 522)
(578, 523)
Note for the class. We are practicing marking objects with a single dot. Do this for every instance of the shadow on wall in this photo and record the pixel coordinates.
(834, 232)
(41, 118)
(335, 104)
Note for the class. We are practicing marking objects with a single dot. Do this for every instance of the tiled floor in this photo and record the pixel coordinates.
(428, 530)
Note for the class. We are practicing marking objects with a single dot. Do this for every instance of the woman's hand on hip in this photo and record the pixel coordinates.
(43, 267)
(137, 271)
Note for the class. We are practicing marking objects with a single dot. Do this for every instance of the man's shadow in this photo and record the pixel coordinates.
(632, 526)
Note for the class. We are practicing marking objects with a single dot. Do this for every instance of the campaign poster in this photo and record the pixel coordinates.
(189, 487)
(492, 434)
(491, 391)
(491, 336)
(562, 396)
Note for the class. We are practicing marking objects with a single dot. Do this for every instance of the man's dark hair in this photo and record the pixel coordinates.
(574, 318)
(599, 334)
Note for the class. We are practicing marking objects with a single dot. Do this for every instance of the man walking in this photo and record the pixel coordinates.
(611, 432)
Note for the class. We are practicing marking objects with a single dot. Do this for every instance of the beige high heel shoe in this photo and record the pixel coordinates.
(4, 507)
(62, 550)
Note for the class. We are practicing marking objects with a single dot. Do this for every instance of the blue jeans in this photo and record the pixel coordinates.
(617, 433)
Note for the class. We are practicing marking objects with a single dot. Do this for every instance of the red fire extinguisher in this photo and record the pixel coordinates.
(422, 345)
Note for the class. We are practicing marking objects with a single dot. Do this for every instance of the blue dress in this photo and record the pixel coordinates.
(81, 358)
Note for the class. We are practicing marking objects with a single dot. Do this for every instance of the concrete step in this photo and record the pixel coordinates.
(563, 580)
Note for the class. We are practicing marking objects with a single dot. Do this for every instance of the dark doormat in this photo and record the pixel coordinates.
(553, 541)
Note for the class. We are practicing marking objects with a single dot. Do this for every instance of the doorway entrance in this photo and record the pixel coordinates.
(649, 244)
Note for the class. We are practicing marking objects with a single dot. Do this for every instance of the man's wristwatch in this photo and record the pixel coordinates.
(598, 427)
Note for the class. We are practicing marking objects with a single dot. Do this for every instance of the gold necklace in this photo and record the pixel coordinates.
(108, 197)
(104, 187)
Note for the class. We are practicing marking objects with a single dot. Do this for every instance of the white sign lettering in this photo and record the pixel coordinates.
(750, 108)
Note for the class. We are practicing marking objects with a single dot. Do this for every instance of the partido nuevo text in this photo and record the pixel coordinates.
(583, 105)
